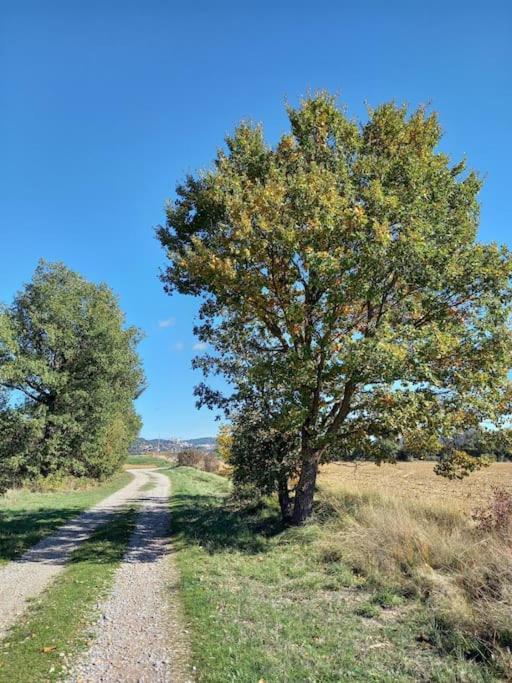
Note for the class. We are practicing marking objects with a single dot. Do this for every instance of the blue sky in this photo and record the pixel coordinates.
(104, 106)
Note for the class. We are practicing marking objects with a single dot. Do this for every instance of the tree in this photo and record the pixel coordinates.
(263, 454)
(485, 443)
(72, 372)
(224, 443)
(345, 261)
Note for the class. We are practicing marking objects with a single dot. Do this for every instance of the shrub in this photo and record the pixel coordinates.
(210, 463)
(190, 457)
(201, 460)
(497, 515)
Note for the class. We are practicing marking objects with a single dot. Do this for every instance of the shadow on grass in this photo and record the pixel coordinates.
(57, 537)
(107, 545)
(216, 525)
(22, 529)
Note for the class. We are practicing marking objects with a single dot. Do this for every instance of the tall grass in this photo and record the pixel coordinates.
(462, 574)
(348, 596)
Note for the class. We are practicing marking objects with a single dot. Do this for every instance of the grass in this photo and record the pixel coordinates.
(45, 640)
(146, 461)
(26, 516)
(149, 486)
(287, 605)
(462, 576)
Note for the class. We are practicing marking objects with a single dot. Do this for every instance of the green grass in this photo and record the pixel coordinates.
(269, 603)
(149, 486)
(56, 626)
(26, 517)
(146, 460)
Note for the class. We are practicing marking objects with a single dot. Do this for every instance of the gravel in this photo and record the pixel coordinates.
(25, 578)
(138, 637)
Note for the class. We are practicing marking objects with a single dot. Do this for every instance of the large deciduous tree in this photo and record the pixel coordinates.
(72, 371)
(341, 268)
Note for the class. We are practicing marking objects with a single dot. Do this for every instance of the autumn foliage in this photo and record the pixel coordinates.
(344, 292)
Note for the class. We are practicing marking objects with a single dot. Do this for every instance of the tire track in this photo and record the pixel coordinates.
(139, 637)
(25, 578)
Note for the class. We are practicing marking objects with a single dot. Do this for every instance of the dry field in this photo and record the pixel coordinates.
(417, 481)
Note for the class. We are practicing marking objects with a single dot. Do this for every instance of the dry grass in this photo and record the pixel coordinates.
(417, 481)
(224, 470)
(409, 531)
(371, 589)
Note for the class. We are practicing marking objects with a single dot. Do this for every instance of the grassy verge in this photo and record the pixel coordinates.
(42, 644)
(26, 517)
(287, 605)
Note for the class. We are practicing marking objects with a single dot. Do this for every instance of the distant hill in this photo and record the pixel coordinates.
(173, 445)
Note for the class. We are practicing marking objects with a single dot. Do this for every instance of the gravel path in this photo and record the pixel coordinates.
(28, 576)
(132, 639)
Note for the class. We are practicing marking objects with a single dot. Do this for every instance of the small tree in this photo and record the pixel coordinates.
(72, 370)
(265, 456)
(345, 262)
(224, 443)
(190, 457)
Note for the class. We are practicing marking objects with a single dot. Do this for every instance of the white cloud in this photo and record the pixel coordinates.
(200, 346)
(170, 322)
(179, 346)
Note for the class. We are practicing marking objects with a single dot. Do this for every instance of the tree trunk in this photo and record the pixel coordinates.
(285, 502)
(304, 495)
(49, 429)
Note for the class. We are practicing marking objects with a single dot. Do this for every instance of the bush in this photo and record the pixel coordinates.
(201, 460)
(18, 438)
(497, 515)
(210, 463)
(190, 457)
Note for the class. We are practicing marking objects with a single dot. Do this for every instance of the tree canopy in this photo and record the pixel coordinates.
(71, 371)
(340, 274)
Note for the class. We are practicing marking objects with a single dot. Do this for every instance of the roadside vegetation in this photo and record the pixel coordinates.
(370, 589)
(28, 516)
(354, 315)
(47, 638)
(199, 459)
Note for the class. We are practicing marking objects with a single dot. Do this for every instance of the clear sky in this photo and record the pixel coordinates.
(105, 105)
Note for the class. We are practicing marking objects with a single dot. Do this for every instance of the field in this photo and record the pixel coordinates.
(417, 481)
(153, 460)
(389, 581)
(373, 588)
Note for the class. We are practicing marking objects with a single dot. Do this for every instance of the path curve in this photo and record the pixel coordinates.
(132, 639)
(26, 577)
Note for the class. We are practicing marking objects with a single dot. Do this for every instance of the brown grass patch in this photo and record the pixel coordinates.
(406, 529)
